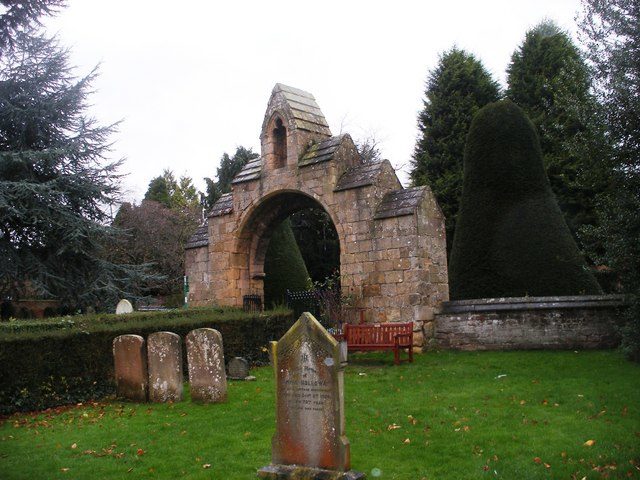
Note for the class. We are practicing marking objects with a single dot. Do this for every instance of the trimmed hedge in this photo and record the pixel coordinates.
(511, 239)
(42, 369)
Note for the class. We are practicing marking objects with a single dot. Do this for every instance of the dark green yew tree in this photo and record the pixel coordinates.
(610, 31)
(284, 267)
(511, 239)
(456, 90)
(229, 167)
(549, 80)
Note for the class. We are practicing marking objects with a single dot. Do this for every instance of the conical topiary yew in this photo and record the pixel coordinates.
(284, 266)
(511, 239)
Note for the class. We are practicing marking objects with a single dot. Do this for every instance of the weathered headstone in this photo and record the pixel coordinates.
(164, 354)
(130, 359)
(205, 359)
(309, 442)
(124, 306)
(238, 368)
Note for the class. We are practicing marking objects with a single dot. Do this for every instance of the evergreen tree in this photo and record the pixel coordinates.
(610, 31)
(318, 241)
(284, 267)
(55, 184)
(226, 172)
(179, 195)
(550, 81)
(511, 239)
(19, 16)
(456, 90)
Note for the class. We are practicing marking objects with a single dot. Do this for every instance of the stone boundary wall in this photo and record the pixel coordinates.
(576, 322)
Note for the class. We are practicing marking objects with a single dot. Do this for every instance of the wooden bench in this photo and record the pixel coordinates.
(380, 336)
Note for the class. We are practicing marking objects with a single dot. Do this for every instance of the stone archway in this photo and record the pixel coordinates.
(257, 226)
(392, 240)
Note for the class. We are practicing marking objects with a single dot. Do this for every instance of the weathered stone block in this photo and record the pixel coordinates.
(130, 359)
(164, 357)
(205, 360)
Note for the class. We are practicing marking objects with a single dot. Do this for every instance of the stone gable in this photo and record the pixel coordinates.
(392, 239)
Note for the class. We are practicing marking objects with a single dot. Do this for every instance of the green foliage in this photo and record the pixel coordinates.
(284, 267)
(318, 241)
(511, 239)
(16, 16)
(226, 172)
(55, 182)
(508, 412)
(66, 360)
(456, 90)
(549, 80)
(610, 31)
(180, 195)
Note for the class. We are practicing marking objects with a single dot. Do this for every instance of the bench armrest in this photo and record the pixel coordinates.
(408, 337)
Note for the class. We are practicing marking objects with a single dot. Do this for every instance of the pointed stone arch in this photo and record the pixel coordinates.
(392, 240)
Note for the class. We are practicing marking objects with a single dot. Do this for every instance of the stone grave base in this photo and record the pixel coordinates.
(295, 472)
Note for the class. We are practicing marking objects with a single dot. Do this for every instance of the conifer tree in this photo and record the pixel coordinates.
(456, 90)
(610, 31)
(549, 80)
(511, 239)
(229, 167)
(284, 267)
(56, 184)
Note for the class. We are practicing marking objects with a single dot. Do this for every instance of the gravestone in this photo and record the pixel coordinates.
(124, 306)
(164, 354)
(309, 442)
(130, 360)
(238, 368)
(205, 359)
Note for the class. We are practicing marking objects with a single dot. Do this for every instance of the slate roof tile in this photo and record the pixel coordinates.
(199, 239)
(400, 202)
(223, 206)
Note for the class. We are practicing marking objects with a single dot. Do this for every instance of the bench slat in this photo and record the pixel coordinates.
(380, 336)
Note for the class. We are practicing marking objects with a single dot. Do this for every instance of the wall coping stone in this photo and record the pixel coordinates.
(532, 303)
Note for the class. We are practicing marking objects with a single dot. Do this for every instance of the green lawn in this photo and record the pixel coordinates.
(449, 415)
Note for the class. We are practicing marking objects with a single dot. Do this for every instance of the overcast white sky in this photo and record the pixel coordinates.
(191, 79)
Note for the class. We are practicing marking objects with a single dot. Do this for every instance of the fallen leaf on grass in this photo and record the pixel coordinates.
(393, 426)
(74, 446)
(537, 460)
(64, 470)
(412, 420)
(589, 443)
(140, 452)
(406, 440)
(206, 465)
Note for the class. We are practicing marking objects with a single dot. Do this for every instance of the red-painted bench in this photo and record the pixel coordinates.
(380, 336)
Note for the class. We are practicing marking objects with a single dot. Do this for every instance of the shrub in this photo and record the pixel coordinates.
(511, 238)
(66, 364)
(284, 267)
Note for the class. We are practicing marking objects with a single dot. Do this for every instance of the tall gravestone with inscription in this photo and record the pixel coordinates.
(309, 442)
(205, 359)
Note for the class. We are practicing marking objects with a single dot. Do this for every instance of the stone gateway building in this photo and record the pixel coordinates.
(392, 239)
